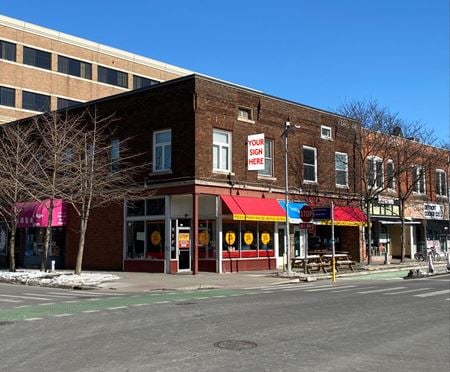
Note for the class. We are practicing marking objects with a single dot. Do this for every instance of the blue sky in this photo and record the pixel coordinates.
(317, 52)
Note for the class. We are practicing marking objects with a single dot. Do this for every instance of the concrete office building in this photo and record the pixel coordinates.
(42, 69)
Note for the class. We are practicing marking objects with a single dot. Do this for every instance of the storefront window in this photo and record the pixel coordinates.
(155, 207)
(155, 239)
(135, 208)
(231, 238)
(135, 239)
(207, 239)
(3, 240)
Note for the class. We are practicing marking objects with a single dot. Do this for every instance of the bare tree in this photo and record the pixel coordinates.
(383, 137)
(103, 171)
(16, 149)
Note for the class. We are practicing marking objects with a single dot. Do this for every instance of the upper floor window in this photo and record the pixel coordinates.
(7, 96)
(418, 176)
(74, 67)
(268, 159)
(162, 150)
(141, 82)
(36, 57)
(115, 155)
(441, 183)
(375, 172)
(309, 164)
(7, 51)
(245, 114)
(341, 160)
(35, 101)
(325, 132)
(63, 103)
(221, 150)
(113, 77)
(390, 175)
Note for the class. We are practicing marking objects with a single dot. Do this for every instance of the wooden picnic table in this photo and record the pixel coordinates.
(340, 259)
(313, 261)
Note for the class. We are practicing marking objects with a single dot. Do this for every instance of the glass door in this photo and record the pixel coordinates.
(184, 248)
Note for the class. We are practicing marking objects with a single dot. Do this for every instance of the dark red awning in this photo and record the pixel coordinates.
(347, 216)
(244, 208)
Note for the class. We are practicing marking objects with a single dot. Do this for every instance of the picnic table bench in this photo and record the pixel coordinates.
(313, 262)
(340, 260)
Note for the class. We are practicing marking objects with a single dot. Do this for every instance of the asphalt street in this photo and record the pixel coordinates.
(353, 325)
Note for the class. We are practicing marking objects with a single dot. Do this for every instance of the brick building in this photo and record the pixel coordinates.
(207, 211)
(43, 69)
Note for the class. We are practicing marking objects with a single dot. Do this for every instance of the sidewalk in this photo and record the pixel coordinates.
(138, 282)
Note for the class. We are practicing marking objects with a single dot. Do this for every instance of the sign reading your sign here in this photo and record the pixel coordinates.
(255, 152)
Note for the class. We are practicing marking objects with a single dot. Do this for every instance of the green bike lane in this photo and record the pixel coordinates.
(94, 305)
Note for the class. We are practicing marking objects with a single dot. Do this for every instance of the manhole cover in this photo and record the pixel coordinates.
(236, 344)
(5, 322)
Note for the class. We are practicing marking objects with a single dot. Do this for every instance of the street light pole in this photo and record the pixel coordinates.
(287, 129)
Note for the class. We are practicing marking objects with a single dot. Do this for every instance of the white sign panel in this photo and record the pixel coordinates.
(255, 155)
(433, 211)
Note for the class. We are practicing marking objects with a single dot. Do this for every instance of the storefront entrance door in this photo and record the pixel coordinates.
(184, 248)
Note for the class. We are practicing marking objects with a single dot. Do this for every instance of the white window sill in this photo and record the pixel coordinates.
(246, 120)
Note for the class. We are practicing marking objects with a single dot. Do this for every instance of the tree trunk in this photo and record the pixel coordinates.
(12, 244)
(79, 263)
(402, 232)
(48, 237)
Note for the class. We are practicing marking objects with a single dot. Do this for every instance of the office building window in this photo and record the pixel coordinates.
(35, 101)
(390, 176)
(74, 67)
(441, 183)
(113, 77)
(7, 51)
(325, 132)
(418, 176)
(221, 151)
(141, 82)
(309, 164)
(162, 150)
(63, 103)
(268, 159)
(7, 96)
(115, 155)
(374, 173)
(245, 114)
(37, 58)
(341, 160)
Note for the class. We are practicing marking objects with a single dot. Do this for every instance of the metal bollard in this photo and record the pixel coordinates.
(53, 265)
(430, 264)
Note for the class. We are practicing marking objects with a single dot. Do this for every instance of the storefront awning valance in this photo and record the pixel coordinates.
(244, 208)
(398, 222)
(347, 216)
(294, 210)
(35, 214)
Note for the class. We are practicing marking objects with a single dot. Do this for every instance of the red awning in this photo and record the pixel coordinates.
(35, 214)
(347, 216)
(245, 208)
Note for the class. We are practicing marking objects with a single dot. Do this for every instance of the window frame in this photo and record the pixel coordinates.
(7, 48)
(268, 160)
(249, 111)
(378, 179)
(72, 63)
(441, 183)
(336, 154)
(390, 179)
(418, 182)
(37, 58)
(220, 147)
(327, 137)
(4, 101)
(115, 155)
(314, 149)
(151, 82)
(163, 145)
(116, 81)
(36, 95)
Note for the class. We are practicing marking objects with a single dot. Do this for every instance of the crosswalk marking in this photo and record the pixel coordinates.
(381, 290)
(6, 300)
(430, 294)
(407, 291)
(27, 297)
(329, 289)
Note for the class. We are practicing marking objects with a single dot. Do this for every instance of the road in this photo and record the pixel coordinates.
(352, 325)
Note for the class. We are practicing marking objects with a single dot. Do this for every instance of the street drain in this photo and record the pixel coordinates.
(5, 323)
(235, 344)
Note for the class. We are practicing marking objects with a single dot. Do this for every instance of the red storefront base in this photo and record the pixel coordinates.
(232, 265)
(150, 266)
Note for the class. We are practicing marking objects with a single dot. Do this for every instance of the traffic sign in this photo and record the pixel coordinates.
(306, 213)
(306, 226)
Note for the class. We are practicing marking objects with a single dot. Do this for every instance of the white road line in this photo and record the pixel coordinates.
(70, 302)
(436, 293)
(31, 319)
(330, 289)
(203, 298)
(22, 306)
(47, 304)
(137, 305)
(47, 295)
(6, 300)
(116, 308)
(408, 291)
(62, 315)
(162, 302)
(91, 311)
(381, 290)
(447, 299)
(27, 297)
